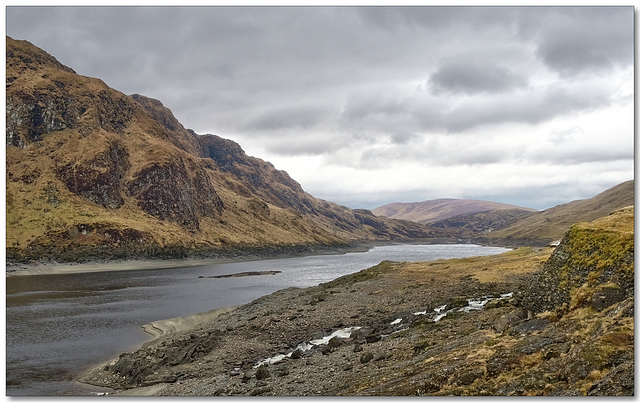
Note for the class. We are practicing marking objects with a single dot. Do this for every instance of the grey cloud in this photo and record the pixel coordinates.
(289, 117)
(565, 135)
(438, 17)
(363, 106)
(301, 144)
(579, 153)
(586, 39)
(343, 82)
(470, 77)
(403, 118)
(525, 108)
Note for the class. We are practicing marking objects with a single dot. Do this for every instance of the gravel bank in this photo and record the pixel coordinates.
(383, 333)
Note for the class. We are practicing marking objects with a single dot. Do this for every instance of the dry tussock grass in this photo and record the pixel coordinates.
(484, 269)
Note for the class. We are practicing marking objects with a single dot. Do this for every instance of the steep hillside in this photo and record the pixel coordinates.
(550, 224)
(93, 173)
(431, 211)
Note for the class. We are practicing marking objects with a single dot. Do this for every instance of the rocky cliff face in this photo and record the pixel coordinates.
(83, 155)
(593, 266)
(43, 96)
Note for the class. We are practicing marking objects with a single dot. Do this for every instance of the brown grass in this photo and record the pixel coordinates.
(484, 269)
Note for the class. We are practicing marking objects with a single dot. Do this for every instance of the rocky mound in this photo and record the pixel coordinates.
(477, 326)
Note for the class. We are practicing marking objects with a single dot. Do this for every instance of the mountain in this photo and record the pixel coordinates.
(476, 223)
(486, 222)
(436, 210)
(92, 173)
(550, 224)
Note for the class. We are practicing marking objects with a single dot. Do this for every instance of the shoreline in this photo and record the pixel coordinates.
(54, 268)
(14, 268)
(175, 325)
(167, 328)
(394, 307)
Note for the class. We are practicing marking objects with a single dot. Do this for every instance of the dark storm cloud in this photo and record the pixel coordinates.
(471, 77)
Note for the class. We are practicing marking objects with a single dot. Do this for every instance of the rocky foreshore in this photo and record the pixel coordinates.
(382, 331)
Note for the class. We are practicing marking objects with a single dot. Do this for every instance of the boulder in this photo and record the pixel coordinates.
(262, 373)
(366, 357)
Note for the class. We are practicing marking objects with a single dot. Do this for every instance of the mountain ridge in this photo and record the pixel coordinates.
(551, 224)
(93, 173)
(438, 209)
(510, 226)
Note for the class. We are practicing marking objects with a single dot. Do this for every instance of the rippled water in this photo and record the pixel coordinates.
(60, 325)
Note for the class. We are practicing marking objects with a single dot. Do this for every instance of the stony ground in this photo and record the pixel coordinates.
(500, 350)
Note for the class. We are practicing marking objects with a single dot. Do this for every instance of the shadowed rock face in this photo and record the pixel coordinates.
(169, 192)
(99, 179)
(258, 176)
(30, 115)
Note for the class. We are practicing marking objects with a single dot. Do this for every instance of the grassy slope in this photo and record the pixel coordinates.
(552, 223)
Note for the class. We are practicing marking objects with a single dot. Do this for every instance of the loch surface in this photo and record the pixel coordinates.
(57, 326)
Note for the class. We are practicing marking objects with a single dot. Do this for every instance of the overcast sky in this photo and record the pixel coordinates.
(370, 105)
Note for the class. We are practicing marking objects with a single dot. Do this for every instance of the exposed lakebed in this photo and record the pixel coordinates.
(60, 325)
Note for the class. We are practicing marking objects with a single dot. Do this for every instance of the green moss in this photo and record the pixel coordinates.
(599, 248)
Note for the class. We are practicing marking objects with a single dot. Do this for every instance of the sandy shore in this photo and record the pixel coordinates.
(52, 268)
(175, 325)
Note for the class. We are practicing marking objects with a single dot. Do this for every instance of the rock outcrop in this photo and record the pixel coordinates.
(592, 266)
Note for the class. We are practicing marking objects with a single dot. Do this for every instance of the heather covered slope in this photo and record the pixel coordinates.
(95, 174)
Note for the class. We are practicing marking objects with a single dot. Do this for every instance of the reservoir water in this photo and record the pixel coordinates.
(57, 326)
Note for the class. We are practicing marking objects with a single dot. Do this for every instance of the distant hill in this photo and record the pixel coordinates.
(427, 212)
(552, 223)
(476, 223)
(92, 173)
(494, 223)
